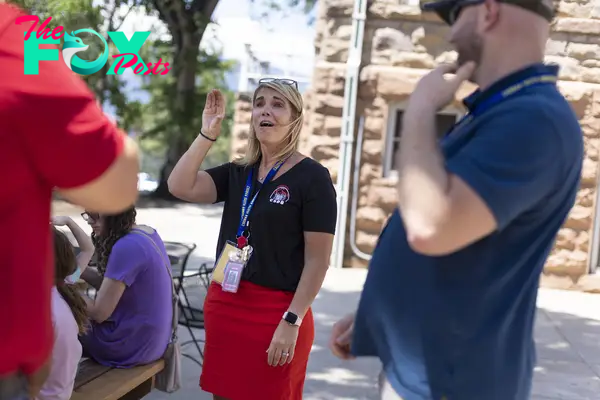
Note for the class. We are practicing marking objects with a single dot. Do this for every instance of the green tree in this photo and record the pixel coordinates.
(186, 22)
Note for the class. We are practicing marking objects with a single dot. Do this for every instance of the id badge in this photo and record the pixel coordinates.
(234, 268)
(229, 250)
(232, 276)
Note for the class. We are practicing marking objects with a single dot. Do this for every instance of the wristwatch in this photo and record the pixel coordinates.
(292, 318)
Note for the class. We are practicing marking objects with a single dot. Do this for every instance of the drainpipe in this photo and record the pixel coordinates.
(347, 133)
(595, 239)
(355, 183)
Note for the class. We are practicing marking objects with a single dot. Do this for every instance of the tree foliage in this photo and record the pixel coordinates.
(282, 8)
(305, 6)
(157, 122)
(186, 21)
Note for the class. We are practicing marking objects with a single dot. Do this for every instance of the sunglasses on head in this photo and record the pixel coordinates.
(90, 217)
(290, 82)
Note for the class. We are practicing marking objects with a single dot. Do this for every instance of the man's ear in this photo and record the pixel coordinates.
(490, 14)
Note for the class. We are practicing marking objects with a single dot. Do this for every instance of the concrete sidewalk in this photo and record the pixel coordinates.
(567, 333)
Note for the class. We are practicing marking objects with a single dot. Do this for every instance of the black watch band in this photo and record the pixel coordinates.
(292, 318)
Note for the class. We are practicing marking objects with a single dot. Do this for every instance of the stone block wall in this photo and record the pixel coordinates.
(241, 124)
(575, 46)
(400, 45)
(571, 253)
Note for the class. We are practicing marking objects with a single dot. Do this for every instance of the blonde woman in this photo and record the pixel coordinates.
(282, 205)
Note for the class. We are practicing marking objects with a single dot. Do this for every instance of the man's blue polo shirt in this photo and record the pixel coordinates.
(460, 326)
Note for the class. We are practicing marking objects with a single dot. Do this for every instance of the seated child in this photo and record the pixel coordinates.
(69, 316)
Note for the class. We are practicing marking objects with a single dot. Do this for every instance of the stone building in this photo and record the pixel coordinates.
(400, 44)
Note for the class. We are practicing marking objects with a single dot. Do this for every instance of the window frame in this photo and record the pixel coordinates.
(390, 133)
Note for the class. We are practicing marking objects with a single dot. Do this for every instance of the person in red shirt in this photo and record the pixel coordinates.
(53, 136)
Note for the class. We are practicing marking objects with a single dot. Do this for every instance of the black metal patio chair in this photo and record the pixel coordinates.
(191, 314)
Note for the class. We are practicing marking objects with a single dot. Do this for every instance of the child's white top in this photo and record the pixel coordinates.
(66, 352)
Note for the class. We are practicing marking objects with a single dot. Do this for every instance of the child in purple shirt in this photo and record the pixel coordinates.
(132, 312)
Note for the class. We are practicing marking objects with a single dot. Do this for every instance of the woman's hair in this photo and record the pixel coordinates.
(114, 227)
(292, 139)
(65, 264)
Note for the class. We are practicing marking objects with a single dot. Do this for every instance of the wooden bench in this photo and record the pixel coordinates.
(97, 382)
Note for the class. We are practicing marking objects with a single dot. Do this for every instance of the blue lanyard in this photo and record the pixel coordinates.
(247, 207)
(541, 79)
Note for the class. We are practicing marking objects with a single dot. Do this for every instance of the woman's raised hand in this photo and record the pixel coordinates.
(213, 114)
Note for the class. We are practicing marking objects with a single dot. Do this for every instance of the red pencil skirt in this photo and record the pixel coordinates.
(239, 328)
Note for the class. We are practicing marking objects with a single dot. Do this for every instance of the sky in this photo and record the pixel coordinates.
(275, 38)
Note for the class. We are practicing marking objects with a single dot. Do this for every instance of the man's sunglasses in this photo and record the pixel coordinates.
(458, 7)
(290, 82)
(90, 217)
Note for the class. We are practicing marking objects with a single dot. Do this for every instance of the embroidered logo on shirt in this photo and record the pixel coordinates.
(280, 195)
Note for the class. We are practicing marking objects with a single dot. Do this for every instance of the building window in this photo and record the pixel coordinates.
(445, 121)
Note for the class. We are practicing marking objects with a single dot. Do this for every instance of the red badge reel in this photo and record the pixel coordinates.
(242, 241)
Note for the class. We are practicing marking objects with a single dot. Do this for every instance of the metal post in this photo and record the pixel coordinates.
(348, 125)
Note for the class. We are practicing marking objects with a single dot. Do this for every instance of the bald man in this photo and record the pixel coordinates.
(450, 299)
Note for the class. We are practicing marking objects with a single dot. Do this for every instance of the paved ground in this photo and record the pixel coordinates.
(567, 329)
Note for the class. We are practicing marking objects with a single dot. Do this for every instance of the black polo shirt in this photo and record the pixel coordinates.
(300, 200)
